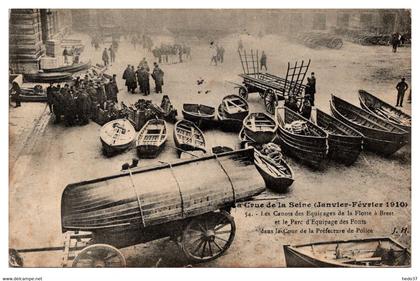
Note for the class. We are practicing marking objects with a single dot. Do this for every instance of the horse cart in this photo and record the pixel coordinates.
(270, 87)
(188, 201)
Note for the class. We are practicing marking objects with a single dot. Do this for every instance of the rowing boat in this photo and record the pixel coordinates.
(301, 138)
(151, 138)
(188, 137)
(53, 77)
(260, 127)
(76, 67)
(235, 107)
(31, 95)
(369, 252)
(269, 161)
(116, 136)
(226, 122)
(344, 142)
(200, 114)
(380, 135)
(128, 207)
(384, 110)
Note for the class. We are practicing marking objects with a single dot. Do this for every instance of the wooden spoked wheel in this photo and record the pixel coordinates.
(270, 101)
(243, 93)
(208, 237)
(99, 255)
(263, 94)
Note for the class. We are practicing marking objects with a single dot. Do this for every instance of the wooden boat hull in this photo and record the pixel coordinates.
(380, 136)
(311, 150)
(69, 68)
(151, 139)
(30, 96)
(187, 146)
(120, 208)
(369, 102)
(277, 183)
(116, 136)
(306, 255)
(343, 147)
(54, 77)
(240, 114)
(227, 123)
(201, 115)
(260, 135)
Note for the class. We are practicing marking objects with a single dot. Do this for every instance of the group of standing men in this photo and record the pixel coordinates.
(141, 78)
(172, 53)
(80, 101)
(217, 53)
(108, 55)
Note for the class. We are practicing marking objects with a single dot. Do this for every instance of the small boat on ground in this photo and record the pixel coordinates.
(53, 77)
(369, 252)
(344, 142)
(384, 110)
(73, 68)
(116, 136)
(151, 138)
(32, 94)
(235, 107)
(260, 127)
(379, 135)
(269, 161)
(226, 122)
(188, 136)
(301, 138)
(202, 115)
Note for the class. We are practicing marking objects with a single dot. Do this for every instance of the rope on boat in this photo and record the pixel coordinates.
(138, 198)
(230, 180)
(179, 187)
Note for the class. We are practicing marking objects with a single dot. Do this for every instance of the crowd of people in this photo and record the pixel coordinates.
(172, 53)
(141, 78)
(145, 41)
(77, 102)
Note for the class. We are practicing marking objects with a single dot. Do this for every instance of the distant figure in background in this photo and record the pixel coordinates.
(65, 55)
(240, 45)
(157, 75)
(213, 53)
(221, 53)
(395, 41)
(263, 61)
(112, 54)
(401, 88)
(312, 87)
(105, 57)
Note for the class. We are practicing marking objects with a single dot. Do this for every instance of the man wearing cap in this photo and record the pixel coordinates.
(157, 75)
(401, 88)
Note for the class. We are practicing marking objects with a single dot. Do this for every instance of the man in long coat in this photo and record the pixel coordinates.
(105, 57)
(157, 75)
(144, 77)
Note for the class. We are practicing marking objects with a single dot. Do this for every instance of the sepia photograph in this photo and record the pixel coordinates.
(211, 138)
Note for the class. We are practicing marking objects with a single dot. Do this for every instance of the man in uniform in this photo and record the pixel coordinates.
(401, 88)
(157, 75)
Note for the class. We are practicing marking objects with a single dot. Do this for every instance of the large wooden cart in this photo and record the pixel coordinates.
(270, 87)
(188, 201)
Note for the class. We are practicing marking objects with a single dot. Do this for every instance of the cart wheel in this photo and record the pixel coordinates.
(270, 102)
(99, 255)
(208, 237)
(243, 93)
